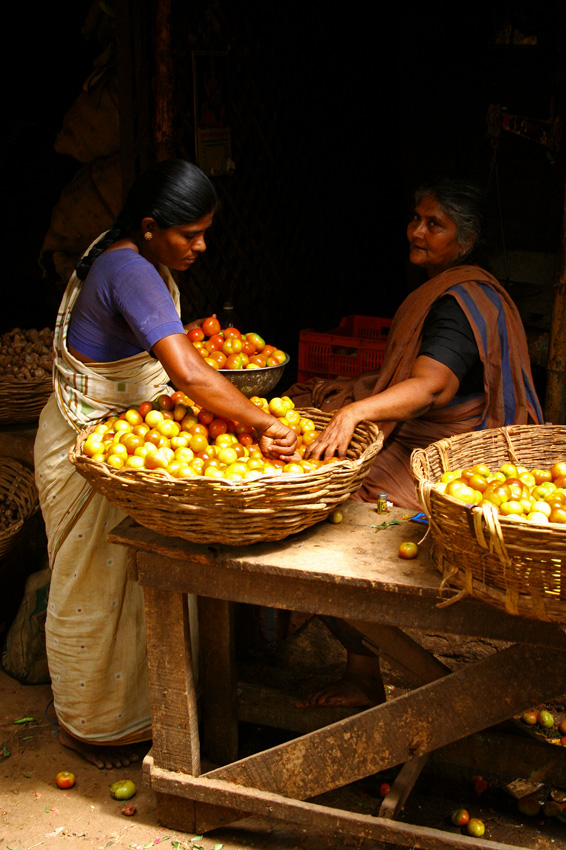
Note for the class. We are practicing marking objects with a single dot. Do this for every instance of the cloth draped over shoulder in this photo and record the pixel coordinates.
(509, 394)
(95, 629)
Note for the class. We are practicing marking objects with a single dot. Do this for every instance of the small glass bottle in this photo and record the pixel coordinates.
(382, 503)
(227, 316)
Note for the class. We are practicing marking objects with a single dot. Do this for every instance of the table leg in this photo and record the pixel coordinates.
(172, 693)
(217, 680)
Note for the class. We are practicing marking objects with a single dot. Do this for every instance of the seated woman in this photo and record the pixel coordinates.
(456, 361)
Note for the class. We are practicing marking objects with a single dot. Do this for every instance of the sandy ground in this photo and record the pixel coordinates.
(34, 812)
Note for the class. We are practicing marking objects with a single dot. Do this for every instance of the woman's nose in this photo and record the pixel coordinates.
(199, 244)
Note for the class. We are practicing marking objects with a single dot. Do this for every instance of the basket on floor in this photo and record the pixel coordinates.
(207, 510)
(17, 487)
(519, 567)
(22, 401)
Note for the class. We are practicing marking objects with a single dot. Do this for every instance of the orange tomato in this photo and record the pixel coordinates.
(558, 469)
(211, 326)
(234, 361)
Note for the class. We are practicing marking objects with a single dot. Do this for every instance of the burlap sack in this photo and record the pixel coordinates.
(91, 127)
(24, 656)
(88, 205)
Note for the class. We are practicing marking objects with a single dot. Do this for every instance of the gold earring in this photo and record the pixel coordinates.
(148, 235)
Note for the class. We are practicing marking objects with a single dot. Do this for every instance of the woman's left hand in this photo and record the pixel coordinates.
(336, 437)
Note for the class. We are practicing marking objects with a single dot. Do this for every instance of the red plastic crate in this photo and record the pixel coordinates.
(356, 346)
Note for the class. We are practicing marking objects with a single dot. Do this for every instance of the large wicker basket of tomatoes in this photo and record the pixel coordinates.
(185, 473)
(496, 505)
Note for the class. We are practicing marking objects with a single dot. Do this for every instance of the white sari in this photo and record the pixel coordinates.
(95, 629)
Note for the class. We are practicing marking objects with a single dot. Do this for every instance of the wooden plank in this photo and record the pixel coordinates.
(417, 664)
(402, 787)
(312, 816)
(392, 733)
(293, 575)
(172, 688)
(217, 680)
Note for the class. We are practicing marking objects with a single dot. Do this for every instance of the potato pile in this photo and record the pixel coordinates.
(26, 355)
(9, 512)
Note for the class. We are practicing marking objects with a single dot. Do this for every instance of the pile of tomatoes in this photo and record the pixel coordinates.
(228, 348)
(536, 495)
(175, 436)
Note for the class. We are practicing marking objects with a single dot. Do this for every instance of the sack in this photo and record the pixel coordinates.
(24, 655)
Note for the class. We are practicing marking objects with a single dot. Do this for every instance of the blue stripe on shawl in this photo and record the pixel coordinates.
(509, 401)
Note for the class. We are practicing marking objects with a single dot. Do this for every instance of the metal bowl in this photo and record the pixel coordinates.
(255, 381)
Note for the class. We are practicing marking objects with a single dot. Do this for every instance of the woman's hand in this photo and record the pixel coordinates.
(277, 440)
(336, 437)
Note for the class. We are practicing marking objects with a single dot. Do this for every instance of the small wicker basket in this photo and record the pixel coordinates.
(518, 567)
(22, 401)
(206, 510)
(16, 484)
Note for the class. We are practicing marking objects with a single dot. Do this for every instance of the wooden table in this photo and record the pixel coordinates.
(350, 570)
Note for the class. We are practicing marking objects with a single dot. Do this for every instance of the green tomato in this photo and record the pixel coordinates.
(546, 719)
(123, 790)
(475, 827)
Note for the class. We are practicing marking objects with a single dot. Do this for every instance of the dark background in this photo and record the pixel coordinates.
(370, 111)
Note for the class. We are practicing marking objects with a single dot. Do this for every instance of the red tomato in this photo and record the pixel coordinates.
(215, 343)
(408, 550)
(248, 347)
(460, 817)
(211, 326)
(195, 334)
(65, 779)
(385, 787)
(216, 427)
(145, 407)
(232, 333)
(165, 402)
(258, 360)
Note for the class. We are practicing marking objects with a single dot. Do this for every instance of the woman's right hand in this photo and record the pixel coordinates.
(278, 440)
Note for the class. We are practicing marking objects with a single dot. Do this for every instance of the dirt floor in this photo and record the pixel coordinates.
(34, 812)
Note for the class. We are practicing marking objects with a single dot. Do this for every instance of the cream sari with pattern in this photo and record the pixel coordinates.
(95, 629)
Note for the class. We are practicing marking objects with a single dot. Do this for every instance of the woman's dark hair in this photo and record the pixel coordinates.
(463, 202)
(173, 192)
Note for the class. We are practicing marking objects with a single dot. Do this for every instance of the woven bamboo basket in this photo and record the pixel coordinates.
(22, 401)
(518, 567)
(16, 484)
(204, 510)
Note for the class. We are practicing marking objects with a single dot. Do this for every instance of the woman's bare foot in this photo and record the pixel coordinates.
(104, 756)
(350, 691)
(360, 686)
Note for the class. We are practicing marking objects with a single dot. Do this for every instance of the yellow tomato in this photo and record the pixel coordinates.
(153, 417)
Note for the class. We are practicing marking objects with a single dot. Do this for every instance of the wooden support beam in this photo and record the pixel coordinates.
(392, 733)
(310, 815)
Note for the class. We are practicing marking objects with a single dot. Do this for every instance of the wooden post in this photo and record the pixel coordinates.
(164, 78)
(555, 402)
